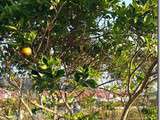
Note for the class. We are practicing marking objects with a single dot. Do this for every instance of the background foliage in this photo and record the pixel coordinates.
(73, 43)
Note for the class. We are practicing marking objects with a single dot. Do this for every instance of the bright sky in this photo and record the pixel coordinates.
(127, 1)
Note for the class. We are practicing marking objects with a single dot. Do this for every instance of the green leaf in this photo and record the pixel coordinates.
(54, 61)
(60, 73)
(139, 79)
(90, 83)
(11, 27)
(35, 72)
(32, 35)
(43, 67)
(45, 61)
(77, 76)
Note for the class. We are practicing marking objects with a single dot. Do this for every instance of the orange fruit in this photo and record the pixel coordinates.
(26, 51)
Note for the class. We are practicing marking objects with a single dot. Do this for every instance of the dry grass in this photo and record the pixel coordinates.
(105, 114)
(7, 107)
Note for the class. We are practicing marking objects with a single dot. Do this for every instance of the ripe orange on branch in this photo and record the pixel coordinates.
(26, 51)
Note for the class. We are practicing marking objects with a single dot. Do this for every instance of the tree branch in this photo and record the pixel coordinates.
(105, 83)
(27, 107)
(130, 75)
(144, 83)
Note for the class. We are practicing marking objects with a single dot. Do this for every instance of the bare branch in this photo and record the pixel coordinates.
(130, 75)
(129, 70)
(45, 108)
(106, 83)
(27, 107)
(141, 86)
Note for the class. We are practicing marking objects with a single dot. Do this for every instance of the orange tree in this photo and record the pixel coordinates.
(70, 42)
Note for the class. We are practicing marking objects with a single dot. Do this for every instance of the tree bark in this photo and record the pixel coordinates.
(137, 93)
(129, 104)
(132, 100)
(126, 109)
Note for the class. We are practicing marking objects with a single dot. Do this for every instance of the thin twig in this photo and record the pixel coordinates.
(137, 67)
(141, 86)
(129, 71)
(105, 83)
(45, 108)
(27, 107)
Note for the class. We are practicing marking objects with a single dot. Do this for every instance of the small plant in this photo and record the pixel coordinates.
(150, 113)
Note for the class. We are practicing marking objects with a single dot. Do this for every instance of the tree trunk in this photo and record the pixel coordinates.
(129, 104)
(126, 109)
(136, 94)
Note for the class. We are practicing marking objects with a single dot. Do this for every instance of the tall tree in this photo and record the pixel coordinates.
(79, 39)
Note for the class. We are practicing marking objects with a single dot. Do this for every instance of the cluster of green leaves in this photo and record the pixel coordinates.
(49, 71)
(150, 113)
(83, 77)
(76, 21)
(47, 74)
(81, 116)
(134, 39)
(85, 35)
